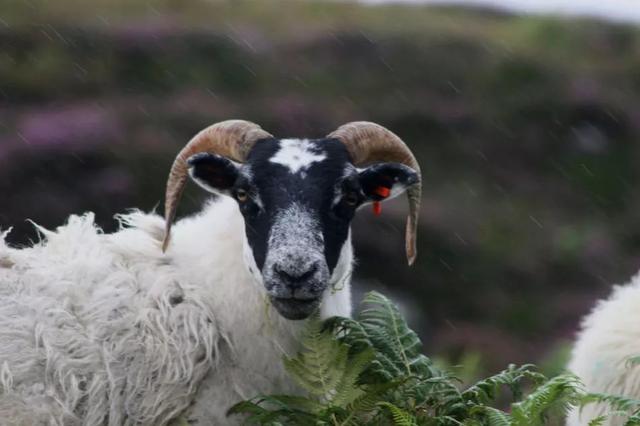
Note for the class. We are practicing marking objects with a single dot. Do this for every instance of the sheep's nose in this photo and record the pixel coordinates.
(294, 275)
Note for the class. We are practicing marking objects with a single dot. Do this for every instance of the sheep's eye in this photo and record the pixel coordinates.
(242, 195)
(351, 198)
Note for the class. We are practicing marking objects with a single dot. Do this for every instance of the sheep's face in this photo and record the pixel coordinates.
(298, 198)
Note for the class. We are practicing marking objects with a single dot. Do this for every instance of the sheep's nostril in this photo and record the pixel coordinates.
(312, 270)
(295, 275)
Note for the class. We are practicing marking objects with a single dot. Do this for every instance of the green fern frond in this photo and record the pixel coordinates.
(248, 407)
(321, 365)
(486, 390)
(398, 348)
(616, 402)
(494, 416)
(399, 416)
(598, 421)
(346, 390)
(368, 401)
(633, 420)
(267, 409)
(370, 370)
(559, 392)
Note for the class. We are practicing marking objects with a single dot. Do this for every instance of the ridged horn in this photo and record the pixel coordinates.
(369, 143)
(232, 139)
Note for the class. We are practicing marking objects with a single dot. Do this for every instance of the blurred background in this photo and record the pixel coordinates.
(526, 127)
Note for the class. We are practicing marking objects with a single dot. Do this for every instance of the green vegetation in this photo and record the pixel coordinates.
(371, 370)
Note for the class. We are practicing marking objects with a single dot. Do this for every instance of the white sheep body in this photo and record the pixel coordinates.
(609, 338)
(106, 329)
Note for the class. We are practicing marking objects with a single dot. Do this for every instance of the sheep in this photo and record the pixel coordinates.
(608, 340)
(158, 322)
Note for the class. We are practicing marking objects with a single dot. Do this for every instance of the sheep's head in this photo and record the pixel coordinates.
(298, 197)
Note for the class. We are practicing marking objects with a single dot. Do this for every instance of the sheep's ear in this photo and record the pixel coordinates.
(384, 181)
(213, 172)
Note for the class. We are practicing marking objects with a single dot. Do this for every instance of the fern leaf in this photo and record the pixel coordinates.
(616, 402)
(634, 420)
(559, 392)
(398, 348)
(246, 407)
(370, 370)
(346, 390)
(494, 416)
(399, 416)
(372, 395)
(598, 421)
(486, 390)
(322, 364)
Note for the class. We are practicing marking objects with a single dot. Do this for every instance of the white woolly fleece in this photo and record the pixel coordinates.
(610, 336)
(106, 329)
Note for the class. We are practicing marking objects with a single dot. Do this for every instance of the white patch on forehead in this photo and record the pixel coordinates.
(297, 154)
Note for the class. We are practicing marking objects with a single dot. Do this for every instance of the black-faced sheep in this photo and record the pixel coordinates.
(151, 323)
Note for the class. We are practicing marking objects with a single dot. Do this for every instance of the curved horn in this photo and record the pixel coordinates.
(369, 142)
(232, 139)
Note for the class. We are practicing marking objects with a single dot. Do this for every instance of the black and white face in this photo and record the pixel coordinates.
(298, 197)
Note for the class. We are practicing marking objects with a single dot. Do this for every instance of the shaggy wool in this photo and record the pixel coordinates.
(610, 337)
(105, 329)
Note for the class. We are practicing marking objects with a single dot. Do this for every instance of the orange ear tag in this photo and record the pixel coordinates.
(383, 192)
